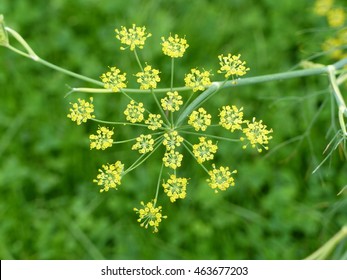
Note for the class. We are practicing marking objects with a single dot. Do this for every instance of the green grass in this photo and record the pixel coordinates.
(49, 207)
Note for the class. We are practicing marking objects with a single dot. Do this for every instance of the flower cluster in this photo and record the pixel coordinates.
(81, 111)
(231, 65)
(174, 46)
(114, 80)
(149, 215)
(197, 80)
(132, 37)
(148, 78)
(102, 140)
(172, 127)
(336, 18)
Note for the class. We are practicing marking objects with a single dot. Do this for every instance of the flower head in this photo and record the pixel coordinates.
(113, 79)
(197, 80)
(220, 178)
(172, 101)
(134, 112)
(205, 150)
(336, 17)
(172, 159)
(102, 140)
(174, 46)
(231, 118)
(321, 7)
(148, 78)
(199, 119)
(110, 176)
(144, 144)
(257, 135)
(172, 140)
(154, 121)
(132, 37)
(175, 188)
(231, 65)
(149, 215)
(81, 111)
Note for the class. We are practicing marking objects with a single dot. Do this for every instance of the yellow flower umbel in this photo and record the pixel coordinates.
(172, 159)
(132, 37)
(134, 112)
(154, 121)
(172, 101)
(257, 135)
(110, 176)
(172, 140)
(231, 117)
(231, 65)
(174, 46)
(175, 188)
(199, 119)
(321, 7)
(144, 144)
(205, 150)
(336, 17)
(148, 78)
(81, 111)
(113, 79)
(102, 140)
(221, 178)
(149, 215)
(197, 80)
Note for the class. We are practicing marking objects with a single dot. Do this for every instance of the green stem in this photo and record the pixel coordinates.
(138, 60)
(119, 123)
(210, 136)
(187, 148)
(324, 251)
(172, 72)
(158, 184)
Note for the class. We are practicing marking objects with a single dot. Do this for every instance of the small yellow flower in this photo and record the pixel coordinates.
(197, 80)
(175, 188)
(172, 140)
(102, 140)
(221, 179)
(231, 65)
(110, 176)
(199, 119)
(172, 159)
(172, 101)
(144, 144)
(132, 37)
(231, 117)
(205, 150)
(148, 78)
(113, 79)
(154, 121)
(149, 215)
(321, 7)
(174, 46)
(333, 46)
(134, 112)
(257, 135)
(81, 111)
(336, 17)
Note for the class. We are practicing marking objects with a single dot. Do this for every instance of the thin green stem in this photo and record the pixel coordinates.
(158, 184)
(160, 108)
(210, 136)
(189, 151)
(172, 72)
(142, 158)
(324, 251)
(138, 60)
(119, 123)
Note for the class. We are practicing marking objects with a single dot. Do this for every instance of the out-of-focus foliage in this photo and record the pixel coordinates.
(49, 207)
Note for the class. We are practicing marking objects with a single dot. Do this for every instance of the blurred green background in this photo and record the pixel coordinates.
(49, 207)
